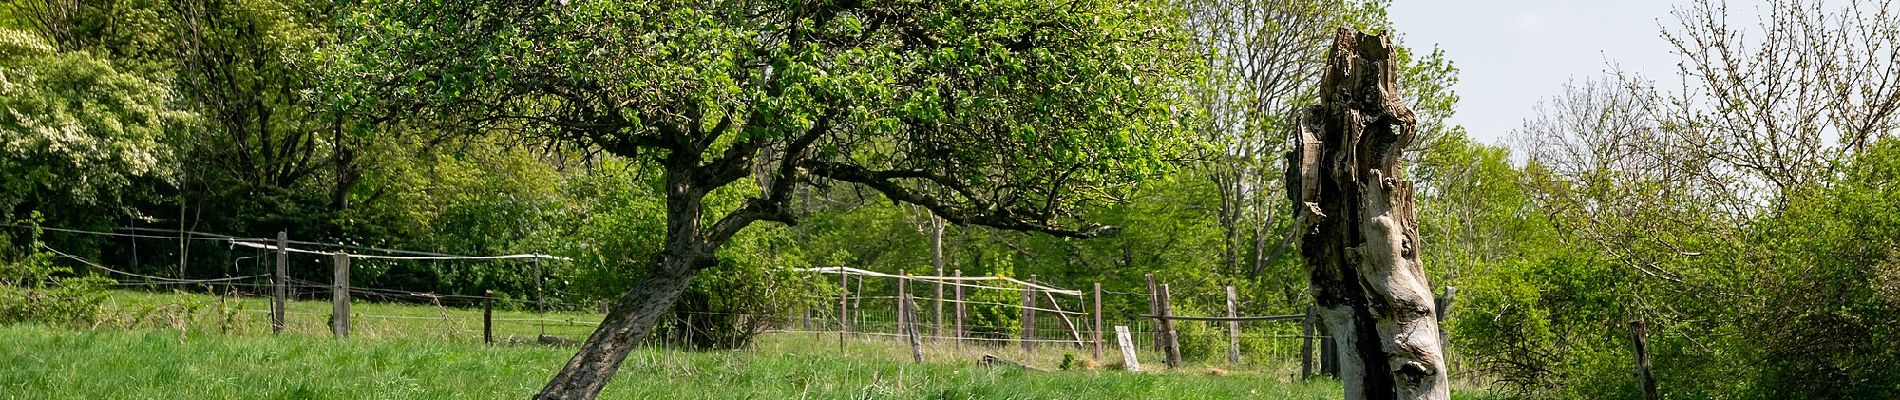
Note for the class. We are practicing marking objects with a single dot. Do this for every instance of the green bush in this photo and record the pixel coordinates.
(752, 289)
(731, 304)
(32, 289)
(1200, 340)
(989, 315)
(1800, 302)
(1830, 314)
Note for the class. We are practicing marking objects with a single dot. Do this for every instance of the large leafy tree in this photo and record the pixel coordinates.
(1009, 114)
(77, 130)
(273, 148)
(1695, 206)
(1264, 62)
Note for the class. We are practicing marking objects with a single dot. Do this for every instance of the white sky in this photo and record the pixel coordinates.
(1513, 53)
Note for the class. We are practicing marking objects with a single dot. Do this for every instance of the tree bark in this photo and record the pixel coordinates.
(686, 252)
(1361, 253)
(625, 325)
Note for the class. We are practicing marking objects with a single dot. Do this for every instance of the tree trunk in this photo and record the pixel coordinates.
(936, 259)
(634, 315)
(625, 325)
(1346, 181)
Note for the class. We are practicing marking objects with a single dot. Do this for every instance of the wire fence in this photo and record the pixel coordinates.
(955, 315)
(1047, 320)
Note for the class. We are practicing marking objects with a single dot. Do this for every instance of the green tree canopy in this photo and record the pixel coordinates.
(75, 129)
(1006, 113)
(1010, 114)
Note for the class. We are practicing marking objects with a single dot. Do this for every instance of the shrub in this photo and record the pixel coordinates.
(32, 289)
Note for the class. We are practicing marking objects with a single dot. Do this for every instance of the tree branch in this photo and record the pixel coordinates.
(977, 213)
(773, 206)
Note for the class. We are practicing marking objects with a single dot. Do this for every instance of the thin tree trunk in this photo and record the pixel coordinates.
(1361, 254)
(936, 259)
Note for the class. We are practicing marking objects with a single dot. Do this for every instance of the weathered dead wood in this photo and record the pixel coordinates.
(1075, 333)
(1361, 254)
(991, 360)
(1233, 327)
(1639, 336)
(1172, 346)
(916, 344)
(552, 340)
(278, 280)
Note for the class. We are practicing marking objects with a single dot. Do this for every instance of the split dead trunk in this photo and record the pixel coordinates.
(1362, 247)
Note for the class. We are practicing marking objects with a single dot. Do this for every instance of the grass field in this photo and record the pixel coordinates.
(40, 362)
(187, 346)
(251, 316)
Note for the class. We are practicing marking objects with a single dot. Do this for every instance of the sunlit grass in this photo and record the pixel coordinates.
(198, 346)
(58, 363)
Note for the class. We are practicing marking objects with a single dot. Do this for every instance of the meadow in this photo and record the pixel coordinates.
(180, 345)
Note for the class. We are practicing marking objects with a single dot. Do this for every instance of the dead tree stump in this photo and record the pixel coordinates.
(1360, 233)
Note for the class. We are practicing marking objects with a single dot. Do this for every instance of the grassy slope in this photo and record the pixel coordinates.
(56, 363)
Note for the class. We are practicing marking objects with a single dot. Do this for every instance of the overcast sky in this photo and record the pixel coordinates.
(1513, 53)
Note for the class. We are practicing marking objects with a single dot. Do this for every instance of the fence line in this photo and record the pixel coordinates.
(851, 317)
(97, 233)
(377, 257)
(948, 280)
(150, 277)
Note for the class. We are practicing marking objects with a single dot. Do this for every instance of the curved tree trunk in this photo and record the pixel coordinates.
(634, 315)
(626, 324)
(1361, 253)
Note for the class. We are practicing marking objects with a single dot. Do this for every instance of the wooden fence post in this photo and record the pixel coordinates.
(487, 317)
(916, 345)
(279, 278)
(1098, 321)
(340, 296)
(1167, 328)
(1233, 327)
(1154, 308)
(1128, 349)
(1638, 334)
(844, 303)
(959, 305)
(936, 258)
(540, 307)
(903, 285)
(1029, 316)
(1306, 345)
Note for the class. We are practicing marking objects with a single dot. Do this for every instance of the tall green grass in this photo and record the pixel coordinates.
(196, 312)
(178, 345)
(41, 362)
